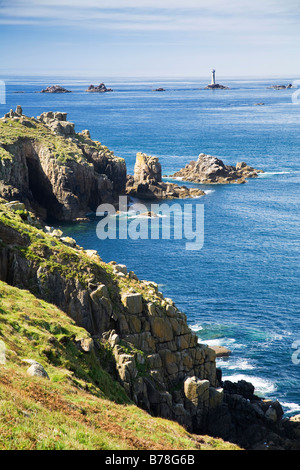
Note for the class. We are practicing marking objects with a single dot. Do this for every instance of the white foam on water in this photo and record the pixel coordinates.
(211, 342)
(239, 364)
(268, 174)
(290, 408)
(176, 178)
(196, 327)
(262, 386)
(209, 191)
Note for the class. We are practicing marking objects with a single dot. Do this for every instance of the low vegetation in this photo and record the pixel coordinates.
(81, 406)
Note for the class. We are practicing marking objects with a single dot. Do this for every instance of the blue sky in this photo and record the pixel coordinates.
(163, 38)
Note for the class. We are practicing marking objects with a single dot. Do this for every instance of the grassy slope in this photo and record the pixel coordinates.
(80, 407)
(62, 149)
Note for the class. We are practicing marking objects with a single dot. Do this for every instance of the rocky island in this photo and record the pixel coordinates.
(211, 170)
(55, 89)
(146, 183)
(98, 89)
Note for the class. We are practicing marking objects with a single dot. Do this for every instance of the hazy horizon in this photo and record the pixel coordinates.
(150, 38)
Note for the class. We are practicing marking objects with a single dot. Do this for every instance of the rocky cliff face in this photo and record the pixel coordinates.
(155, 355)
(54, 171)
(208, 169)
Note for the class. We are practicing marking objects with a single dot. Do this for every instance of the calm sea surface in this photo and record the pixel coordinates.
(241, 290)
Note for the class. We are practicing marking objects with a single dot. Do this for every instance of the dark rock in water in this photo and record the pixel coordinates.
(98, 89)
(147, 182)
(55, 89)
(216, 86)
(208, 169)
(281, 87)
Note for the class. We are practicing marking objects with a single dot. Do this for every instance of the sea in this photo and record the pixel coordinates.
(241, 288)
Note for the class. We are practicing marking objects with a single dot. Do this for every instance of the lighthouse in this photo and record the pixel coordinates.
(213, 85)
(213, 77)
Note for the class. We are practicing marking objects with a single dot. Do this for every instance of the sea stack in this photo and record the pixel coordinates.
(146, 183)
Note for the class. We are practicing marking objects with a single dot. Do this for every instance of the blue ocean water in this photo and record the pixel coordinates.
(241, 290)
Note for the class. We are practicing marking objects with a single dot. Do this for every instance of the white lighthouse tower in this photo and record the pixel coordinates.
(213, 77)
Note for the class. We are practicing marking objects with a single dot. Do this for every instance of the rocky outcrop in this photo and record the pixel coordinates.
(55, 89)
(147, 182)
(208, 169)
(57, 173)
(57, 122)
(98, 88)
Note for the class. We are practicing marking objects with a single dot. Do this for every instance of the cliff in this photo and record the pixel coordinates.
(56, 172)
(153, 354)
(144, 338)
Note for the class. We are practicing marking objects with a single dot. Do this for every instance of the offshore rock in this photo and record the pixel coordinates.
(98, 89)
(55, 89)
(208, 169)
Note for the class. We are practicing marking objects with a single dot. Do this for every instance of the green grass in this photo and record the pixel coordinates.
(62, 149)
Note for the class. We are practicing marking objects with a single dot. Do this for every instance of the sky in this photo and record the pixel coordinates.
(150, 38)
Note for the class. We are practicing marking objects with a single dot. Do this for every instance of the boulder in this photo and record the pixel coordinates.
(15, 205)
(221, 351)
(133, 302)
(36, 369)
(196, 391)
